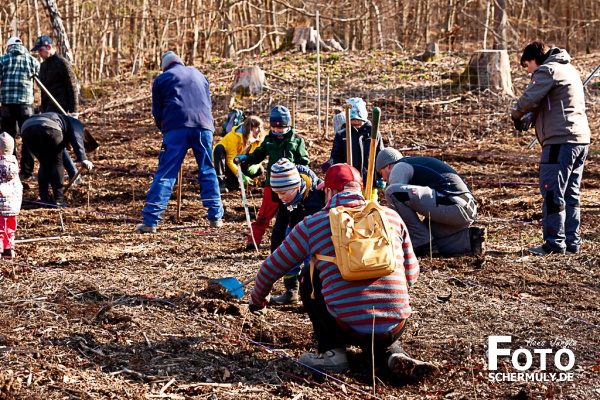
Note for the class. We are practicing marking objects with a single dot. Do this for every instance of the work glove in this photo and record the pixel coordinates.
(380, 184)
(240, 158)
(527, 121)
(87, 164)
(518, 124)
(74, 115)
(253, 169)
(247, 180)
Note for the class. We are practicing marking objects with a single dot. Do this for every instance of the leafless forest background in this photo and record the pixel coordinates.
(109, 38)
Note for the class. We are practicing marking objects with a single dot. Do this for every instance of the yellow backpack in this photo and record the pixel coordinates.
(363, 240)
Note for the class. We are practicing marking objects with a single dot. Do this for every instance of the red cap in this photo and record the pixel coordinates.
(339, 175)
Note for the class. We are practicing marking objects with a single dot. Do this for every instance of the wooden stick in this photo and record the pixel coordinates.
(179, 183)
(374, 137)
(347, 107)
(294, 112)
(68, 185)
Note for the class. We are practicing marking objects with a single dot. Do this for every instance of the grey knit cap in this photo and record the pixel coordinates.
(168, 58)
(7, 144)
(338, 121)
(386, 157)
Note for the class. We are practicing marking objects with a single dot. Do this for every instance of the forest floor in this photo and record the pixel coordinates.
(93, 310)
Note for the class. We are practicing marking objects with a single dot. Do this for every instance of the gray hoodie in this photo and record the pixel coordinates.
(555, 95)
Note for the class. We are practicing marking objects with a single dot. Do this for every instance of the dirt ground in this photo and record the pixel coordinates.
(93, 310)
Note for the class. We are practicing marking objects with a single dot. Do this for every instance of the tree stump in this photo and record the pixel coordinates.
(248, 81)
(488, 69)
(305, 38)
(432, 52)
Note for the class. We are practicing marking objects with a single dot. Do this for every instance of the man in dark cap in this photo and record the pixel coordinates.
(181, 106)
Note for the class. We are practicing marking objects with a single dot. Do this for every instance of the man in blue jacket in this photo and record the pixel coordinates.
(181, 107)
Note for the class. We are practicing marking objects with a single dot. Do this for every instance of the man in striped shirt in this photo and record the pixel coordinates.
(347, 312)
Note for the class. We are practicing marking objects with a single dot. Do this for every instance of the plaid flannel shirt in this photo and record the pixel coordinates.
(16, 70)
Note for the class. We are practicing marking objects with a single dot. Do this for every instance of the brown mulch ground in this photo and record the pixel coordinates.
(96, 311)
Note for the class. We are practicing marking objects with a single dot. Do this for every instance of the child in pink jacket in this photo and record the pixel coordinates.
(11, 195)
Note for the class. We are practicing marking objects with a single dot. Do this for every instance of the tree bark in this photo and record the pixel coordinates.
(58, 29)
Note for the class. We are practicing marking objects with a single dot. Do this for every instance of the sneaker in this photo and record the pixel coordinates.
(478, 237)
(410, 370)
(332, 360)
(8, 254)
(216, 223)
(223, 188)
(543, 250)
(143, 228)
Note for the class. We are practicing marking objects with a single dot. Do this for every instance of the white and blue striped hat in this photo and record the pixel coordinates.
(284, 175)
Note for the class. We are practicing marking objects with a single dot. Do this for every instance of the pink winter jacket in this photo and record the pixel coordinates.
(11, 189)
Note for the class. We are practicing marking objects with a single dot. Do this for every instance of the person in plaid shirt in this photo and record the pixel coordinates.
(17, 68)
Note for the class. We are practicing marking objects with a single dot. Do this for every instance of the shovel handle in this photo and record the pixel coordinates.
(68, 185)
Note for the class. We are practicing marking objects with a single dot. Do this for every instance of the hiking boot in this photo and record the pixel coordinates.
(410, 370)
(543, 250)
(8, 254)
(478, 237)
(143, 228)
(217, 223)
(291, 292)
(332, 360)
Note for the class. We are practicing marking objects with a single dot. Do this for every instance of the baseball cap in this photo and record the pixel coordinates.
(339, 175)
(13, 40)
(41, 42)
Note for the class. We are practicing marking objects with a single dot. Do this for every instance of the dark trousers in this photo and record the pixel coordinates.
(328, 332)
(47, 145)
(226, 175)
(13, 117)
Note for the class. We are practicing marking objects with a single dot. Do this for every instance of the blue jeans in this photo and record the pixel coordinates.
(174, 147)
(69, 164)
(561, 169)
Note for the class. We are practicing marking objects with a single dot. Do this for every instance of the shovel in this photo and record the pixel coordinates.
(246, 209)
(233, 286)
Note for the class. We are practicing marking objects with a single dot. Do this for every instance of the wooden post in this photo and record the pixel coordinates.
(294, 113)
(179, 183)
(327, 109)
(347, 108)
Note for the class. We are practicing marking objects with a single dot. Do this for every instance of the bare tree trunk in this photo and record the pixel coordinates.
(58, 29)
(500, 24)
(37, 18)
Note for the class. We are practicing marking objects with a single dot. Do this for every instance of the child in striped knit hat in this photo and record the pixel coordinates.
(295, 187)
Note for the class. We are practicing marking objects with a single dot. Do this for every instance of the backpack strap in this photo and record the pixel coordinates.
(312, 268)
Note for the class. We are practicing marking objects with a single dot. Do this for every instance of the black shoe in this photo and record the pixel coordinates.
(223, 188)
(61, 203)
(478, 237)
(46, 199)
(572, 250)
